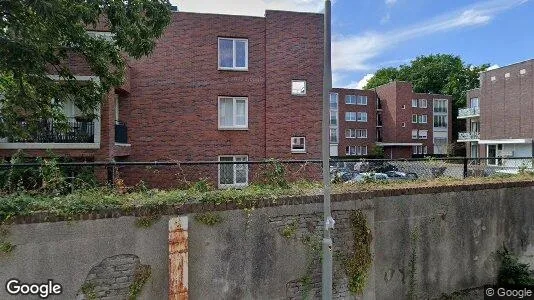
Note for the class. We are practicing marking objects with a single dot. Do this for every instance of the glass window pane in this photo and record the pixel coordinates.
(226, 171)
(333, 100)
(226, 55)
(226, 112)
(241, 113)
(240, 54)
(298, 87)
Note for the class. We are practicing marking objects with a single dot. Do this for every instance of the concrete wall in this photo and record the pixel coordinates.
(426, 242)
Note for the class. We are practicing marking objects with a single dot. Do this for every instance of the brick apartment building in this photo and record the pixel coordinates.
(405, 124)
(216, 87)
(499, 118)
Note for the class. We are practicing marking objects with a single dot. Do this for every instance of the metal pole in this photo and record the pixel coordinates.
(328, 221)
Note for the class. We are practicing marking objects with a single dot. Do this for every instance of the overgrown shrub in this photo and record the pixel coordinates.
(275, 175)
(513, 272)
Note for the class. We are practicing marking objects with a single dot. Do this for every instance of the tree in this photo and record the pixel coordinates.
(440, 74)
(37, 39)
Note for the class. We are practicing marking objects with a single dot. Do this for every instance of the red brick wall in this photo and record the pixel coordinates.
(294, 51)
(370, 109)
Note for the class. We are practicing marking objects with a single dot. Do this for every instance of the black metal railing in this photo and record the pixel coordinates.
(121, 133)
(51, 132)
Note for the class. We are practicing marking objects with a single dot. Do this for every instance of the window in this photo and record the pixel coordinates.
(418, 150)
(356, 150)
(350, 99)
(422, 103)
(233, 113)
(422, 119)
(333, 117)
(474, 103)
(441, 106)
(333, 136)
(298, 145)
(362, 100)
(423, 134)
(507, 75)
(361, 133)
(414, 102)
(333, 100)
(298, 87)
(350, 133)
(362, 117)
(403, 107)
(233, 54)
(414, 119)
(233, 175)
(425, 150)
(414, 134)
(350, 116)
(523, 72)
(440, 121)
(493, 78)
(403, 124)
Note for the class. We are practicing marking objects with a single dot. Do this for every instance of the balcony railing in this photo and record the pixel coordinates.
(468, 136)
(51, 132)
(121, 133)
(469, 112)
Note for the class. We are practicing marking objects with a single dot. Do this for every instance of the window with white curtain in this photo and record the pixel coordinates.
(233, 113)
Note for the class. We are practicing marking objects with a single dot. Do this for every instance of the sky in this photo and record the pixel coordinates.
(371, 34)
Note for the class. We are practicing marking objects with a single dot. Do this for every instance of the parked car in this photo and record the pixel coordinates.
(397, 175)
(362, 177)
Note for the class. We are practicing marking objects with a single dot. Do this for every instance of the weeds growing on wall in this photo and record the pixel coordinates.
(209, 218)
(140, 278)
(511, 271)
(147, 221)
(358, 263)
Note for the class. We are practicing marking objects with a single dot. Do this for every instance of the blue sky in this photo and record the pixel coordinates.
(370, 34)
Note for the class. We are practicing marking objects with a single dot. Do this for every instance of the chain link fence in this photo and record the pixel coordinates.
(31, 174)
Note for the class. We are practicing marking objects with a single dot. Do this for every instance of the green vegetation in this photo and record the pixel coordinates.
(147, 221)
(88, 289)
(313, 244)
(209, 218)
(511, 271)
(358, 262)
(6, 247)
(140, 278)
(39, 36)
(289, 230)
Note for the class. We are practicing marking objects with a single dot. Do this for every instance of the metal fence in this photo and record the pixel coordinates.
(236, 172)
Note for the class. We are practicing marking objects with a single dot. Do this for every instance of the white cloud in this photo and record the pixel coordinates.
(493, 67)
(354, 53)
(360, 84)
(391, 2)
(248, 7)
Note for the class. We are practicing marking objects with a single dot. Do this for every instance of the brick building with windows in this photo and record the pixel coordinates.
(216, 87)
(405, 124)
(499, 119)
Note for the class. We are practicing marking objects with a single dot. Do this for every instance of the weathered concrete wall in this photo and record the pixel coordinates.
(424, 244)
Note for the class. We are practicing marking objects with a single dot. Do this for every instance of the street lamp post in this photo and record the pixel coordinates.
(328, 221)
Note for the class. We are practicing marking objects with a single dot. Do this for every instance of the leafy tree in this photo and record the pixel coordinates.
(440, 74)
(38, 38)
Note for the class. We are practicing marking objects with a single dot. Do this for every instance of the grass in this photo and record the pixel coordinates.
(97, 199)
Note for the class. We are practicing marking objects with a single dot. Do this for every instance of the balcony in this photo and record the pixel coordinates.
(468, 136)
(470, 112)
(121, 133)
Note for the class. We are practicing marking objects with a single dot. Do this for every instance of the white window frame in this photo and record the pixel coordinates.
(299, 81)
(336, 135)
(361, 133)
(351, 97)
(361, 150)
(348, 115)
(422, 119)
(360, 118)
(293, 144)
(234, 184)
(233, 68)
(417, 150)
(425, 150)
(423, 103)
(414, 103)
(423, 134)
(359, 100)
(414, 119)
(234, 107)
(350, 133)
(348, 151)
(415, 134)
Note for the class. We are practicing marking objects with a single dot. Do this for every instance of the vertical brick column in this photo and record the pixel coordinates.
(178, 259)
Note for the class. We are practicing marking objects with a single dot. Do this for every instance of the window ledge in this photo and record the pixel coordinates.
(123, 145)
(232, 129)
(233, 69)
(298, 152)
